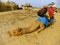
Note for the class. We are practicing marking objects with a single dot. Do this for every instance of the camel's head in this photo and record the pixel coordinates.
(15, 32)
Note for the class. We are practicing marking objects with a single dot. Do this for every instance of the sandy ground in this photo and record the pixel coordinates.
(12, 20)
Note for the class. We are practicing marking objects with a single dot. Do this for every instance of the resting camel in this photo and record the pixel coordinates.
(37, 26)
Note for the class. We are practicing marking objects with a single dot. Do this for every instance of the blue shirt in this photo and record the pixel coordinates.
(43, 19)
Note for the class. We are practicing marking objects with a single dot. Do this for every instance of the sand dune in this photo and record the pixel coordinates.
(14, 19)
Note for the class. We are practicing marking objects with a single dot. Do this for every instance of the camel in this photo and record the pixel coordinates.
(40, 23)
(36, 26)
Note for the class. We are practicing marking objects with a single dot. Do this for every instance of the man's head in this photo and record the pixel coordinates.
(52, 4)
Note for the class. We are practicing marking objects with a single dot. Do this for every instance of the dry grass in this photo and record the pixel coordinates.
(8, 6)
(58, 10)
(23, 18)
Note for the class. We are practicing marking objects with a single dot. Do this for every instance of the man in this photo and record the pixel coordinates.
(51, 11)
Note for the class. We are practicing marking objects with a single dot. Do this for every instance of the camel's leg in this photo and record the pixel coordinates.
(42, 27)
(34, 26)
(30, 29)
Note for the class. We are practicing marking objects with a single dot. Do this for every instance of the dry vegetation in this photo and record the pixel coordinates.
(23, 18)
(58, 10)
(8, 6)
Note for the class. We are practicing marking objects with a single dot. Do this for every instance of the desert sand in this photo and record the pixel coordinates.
(22, 18)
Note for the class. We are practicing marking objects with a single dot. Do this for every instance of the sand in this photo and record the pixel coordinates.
(13, 19)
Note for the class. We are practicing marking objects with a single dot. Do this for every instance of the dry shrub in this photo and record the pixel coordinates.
(58, 10)
(8, 6)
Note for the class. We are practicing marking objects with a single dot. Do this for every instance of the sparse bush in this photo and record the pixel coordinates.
(8, 6)
(27, 6)
(15, 7)
(1, 6)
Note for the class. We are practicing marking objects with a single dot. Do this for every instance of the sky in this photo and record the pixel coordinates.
(36, 3)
